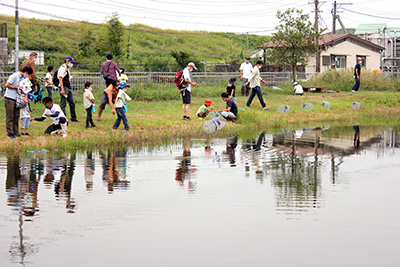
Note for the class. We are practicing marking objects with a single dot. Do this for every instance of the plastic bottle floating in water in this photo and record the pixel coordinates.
(214, 124)
(356, 105)
(325, 104)
(283, 109)
(307, 106)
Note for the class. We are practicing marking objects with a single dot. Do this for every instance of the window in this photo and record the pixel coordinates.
(326, 60)
(338, 62)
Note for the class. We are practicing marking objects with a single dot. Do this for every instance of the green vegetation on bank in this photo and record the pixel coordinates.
(157, 122)
(149, 46)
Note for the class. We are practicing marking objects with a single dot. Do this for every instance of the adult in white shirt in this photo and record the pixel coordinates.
(245, 71)
(187, 91)
(255, 85)
(55, 113)
(298, 89)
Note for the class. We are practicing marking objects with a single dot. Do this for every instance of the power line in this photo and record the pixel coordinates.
(369, 15)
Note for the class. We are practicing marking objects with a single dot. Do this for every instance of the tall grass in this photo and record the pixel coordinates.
(343, 80)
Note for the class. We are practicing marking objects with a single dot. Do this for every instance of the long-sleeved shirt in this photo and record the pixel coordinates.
(122, 97)
(255, 77)
(30, 63)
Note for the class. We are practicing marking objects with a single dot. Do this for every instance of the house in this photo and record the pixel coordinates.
(340, 51)
(388, 37)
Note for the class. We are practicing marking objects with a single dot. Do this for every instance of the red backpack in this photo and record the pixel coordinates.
(180, 80)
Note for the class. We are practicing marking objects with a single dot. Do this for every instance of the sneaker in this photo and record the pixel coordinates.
(184, 118)
(22, 133)
(188, 119)
(11, 136)
(74, 120)
(93, 126)
(267, 107)
(98, 120)
(17, 135)
(27, 134)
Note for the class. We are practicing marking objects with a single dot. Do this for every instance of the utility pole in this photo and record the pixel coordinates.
(335, 16)
(247, 43)
(16, 56)
(317, 55)
(130, 42)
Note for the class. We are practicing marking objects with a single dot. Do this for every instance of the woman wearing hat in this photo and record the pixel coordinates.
(203, 111)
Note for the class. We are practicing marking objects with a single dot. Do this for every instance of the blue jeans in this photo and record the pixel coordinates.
(121, 116)
(254, 91)
(356, 85)
(49, 91)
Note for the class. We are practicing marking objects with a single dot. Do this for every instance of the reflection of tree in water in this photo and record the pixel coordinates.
(296, 178)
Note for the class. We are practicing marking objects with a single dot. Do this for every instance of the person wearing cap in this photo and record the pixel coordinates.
(66, 95)
(187, 91)
(245, 71)
(109, 70)
(120, 107)
(231, 88)
(298, 89)
(255, 85)
(231, 110)
(30, 62)
(203, 111)
(357, 74)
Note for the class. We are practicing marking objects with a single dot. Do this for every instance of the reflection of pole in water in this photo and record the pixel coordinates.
(185, 169)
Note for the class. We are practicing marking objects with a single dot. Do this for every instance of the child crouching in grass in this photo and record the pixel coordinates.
(203, 111)
(88, 104)
(120, 107)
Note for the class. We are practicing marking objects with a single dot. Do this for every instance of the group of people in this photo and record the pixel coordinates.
(16, 97)
(249, 75)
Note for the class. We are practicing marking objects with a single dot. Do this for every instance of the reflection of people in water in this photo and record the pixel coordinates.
(63, 187)
(356, 141)
(114, 169)
(251, 149)
(231, 145)
(89, 170)
(185, 169)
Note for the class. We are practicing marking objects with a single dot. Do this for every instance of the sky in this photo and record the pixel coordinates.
(237, 16)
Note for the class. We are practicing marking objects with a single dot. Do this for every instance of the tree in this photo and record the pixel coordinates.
(115, 32)
(294, 40)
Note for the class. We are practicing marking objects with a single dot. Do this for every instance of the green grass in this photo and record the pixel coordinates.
(160, 120)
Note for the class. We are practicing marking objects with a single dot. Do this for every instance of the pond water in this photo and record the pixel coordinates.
(310, 197)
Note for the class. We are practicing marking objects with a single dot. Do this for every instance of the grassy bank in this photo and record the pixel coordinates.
(156, 122)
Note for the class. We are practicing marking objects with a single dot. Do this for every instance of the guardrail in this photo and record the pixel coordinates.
(167, 78)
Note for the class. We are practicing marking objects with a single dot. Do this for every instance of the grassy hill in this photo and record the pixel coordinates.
(149, 47)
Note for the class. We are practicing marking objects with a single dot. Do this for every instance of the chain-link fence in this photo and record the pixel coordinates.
(78, 79)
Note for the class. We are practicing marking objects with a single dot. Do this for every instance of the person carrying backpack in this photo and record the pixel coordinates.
(185, 93)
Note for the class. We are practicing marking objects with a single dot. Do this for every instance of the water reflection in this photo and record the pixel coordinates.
(114, 169)
(287, 175)
(184, 174)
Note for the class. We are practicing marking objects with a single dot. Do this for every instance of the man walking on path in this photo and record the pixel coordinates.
(66, 91)
(245, 71)
(186, 92)
(10, 99)
(30, 62)
(254, 81)
(357, 74)
(109, 70)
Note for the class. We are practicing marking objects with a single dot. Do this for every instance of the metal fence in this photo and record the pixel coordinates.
(167, 78)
